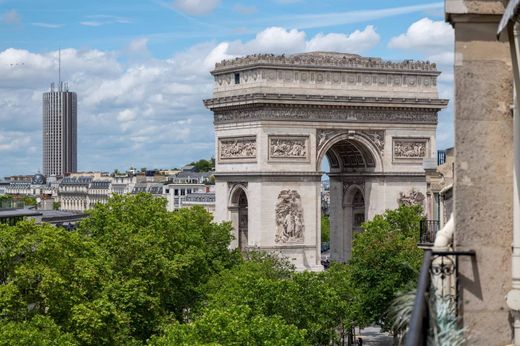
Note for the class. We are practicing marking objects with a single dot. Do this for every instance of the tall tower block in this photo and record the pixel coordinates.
(59, 131)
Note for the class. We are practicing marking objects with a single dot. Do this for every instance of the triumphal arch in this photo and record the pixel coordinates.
(277, 117)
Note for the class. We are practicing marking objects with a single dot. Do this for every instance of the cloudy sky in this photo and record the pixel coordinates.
(141, 67)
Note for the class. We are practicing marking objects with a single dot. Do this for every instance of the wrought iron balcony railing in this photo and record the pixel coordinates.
(439, 278)
(428, 230)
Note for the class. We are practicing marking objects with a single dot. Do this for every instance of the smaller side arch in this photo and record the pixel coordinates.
(234, 194)
(238, 205)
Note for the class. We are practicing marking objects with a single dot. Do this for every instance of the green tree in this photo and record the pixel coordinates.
(46, 275)
(39, 330)
(234, 325)
(270, 288)
(56, 205)
(204, 165)
(29, 200)
(325, 228)
(158, 259)
(385, 261)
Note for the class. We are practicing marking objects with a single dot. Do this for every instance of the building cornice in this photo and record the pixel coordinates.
(273, 98)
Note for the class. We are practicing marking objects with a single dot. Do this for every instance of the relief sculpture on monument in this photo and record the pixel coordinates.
(288, 147)
(409, 149)
(289, 217)
(237, 148)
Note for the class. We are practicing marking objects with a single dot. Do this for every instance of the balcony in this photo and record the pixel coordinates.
(428, 230)
(435, 316)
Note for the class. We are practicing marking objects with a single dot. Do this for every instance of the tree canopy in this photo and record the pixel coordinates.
(204, 165)
(134, 274)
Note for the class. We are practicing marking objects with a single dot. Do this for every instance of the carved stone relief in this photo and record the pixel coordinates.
(290, 226)
(237, 148)
(377, 137)
(318, 114)
(288, 147)
(414, 197)
(410, 148)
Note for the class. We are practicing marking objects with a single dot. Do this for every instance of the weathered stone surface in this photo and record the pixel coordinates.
(483, 169)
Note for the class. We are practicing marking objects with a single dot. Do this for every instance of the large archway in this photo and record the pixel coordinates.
(352, 162)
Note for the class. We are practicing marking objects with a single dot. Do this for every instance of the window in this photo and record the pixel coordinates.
(176, 192)
(237, 78)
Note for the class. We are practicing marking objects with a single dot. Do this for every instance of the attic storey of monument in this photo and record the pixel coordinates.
(374, 120)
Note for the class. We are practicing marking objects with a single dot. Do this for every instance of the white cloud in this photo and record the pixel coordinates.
(282, 41)
(48, 25)
(103, 19)
(137, 112)
(356, 42)
(196, 7)
(426, 35)
(11, 17)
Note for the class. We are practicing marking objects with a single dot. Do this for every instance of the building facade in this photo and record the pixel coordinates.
(59, 131)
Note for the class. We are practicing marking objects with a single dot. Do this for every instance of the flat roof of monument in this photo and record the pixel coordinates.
(331, 60)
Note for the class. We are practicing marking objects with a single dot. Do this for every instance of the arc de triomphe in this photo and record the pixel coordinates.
(277, 117)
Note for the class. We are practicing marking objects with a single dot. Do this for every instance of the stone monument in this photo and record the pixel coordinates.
(276, 117)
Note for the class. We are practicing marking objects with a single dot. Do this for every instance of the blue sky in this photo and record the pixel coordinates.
(141, 68)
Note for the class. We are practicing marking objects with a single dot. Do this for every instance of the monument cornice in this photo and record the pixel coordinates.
(285, 67)
(307, 99)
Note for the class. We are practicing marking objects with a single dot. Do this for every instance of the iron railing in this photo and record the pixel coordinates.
(439, 266)
(428, 230)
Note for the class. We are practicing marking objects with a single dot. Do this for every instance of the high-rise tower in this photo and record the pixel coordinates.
(59, 131)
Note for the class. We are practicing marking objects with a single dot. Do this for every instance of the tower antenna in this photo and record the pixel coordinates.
(59, 68)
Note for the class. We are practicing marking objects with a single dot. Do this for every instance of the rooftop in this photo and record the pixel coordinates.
(321, 59)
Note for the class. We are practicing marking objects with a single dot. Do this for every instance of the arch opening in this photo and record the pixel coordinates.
(343, 194)
(239, 216)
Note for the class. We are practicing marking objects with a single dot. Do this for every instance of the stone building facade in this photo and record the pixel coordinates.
(483, 179)
(277, 117)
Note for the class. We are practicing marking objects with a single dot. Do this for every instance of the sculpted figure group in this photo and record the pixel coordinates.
(289, 217)
(237, 149)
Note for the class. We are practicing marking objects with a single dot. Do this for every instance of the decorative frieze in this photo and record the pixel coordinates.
(237, 148)
(376, 137)
(289, 147)
(414, 197)
(410, 148)
(327, 115)
(290, 226)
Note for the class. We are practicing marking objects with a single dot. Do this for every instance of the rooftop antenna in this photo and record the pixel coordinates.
(59, 69)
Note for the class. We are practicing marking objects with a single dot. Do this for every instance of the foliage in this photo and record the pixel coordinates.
(131, 268)
(39, 330)
(385, 261)
(325, 228)
(29, 200)
(56, 205)
(445, 329)
(316, 303)
(158, 259)
(400, 313)
(234, 325)
(204, 165)
(46, 272)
